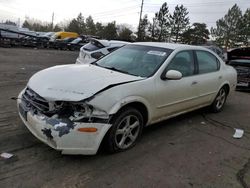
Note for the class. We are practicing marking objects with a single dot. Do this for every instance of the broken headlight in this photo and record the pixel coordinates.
(80, 111)
(83, 111)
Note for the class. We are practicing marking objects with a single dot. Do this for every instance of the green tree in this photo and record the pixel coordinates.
(73, 26)
(90, 26)
(26, 24)
(8, 22)
(99, 29)
(77, 25)
(245, 27)
(228, 29)
(124, 33)
(162, 20)
(178, 22)
(110, 31)
(143, 28)
(36, 25)
(152, 29)
(81, 23)
(57, 28)
(197, 34)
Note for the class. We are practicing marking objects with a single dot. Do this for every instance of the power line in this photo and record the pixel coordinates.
(117, 15)
(200, 4)
(115, 10)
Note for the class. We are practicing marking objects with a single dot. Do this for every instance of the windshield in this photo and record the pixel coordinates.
(76, 40)
(136, 60)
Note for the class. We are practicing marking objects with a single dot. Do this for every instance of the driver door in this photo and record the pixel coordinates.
(175, 96)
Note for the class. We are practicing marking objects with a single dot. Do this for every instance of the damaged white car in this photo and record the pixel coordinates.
(73, 108)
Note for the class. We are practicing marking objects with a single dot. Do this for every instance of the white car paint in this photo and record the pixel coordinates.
(91, 79)
(107, 91)
(85, 55)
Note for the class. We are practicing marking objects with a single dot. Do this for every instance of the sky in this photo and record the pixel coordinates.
(121, 11)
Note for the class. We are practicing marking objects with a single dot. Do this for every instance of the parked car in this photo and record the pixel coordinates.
(48, 35)
(96, 49)
(72, 108)
(38, 41)
(239, 58)
(63, 35)
(61, 44)
(217, 50)
(76, 44)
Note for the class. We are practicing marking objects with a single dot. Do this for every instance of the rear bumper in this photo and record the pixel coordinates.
(64, 135)
(243, 82)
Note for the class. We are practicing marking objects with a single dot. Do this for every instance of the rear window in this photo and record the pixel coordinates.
(207, 62)
(92, 46)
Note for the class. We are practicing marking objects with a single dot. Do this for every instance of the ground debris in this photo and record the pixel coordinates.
(238, 133)
(6, 155)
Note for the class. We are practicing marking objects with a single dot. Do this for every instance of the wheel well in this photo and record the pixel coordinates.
(226, 86)
(140, 107)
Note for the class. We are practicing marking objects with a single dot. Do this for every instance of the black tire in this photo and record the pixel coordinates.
(126, 129)
(219, 100)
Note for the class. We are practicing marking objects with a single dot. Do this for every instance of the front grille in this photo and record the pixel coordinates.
(33, 101)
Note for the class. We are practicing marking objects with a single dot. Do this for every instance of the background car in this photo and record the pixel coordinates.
(63, 35)
(96, 49)
(61, 44)
(76, 44)
(216, 50)
(239, 58)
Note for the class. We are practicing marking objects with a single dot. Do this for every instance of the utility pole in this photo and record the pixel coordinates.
(52, 21)
(18, 23)
(139, 27)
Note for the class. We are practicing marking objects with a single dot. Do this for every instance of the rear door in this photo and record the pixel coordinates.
(209, 76)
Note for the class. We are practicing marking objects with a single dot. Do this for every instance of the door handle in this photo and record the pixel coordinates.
(194, 82)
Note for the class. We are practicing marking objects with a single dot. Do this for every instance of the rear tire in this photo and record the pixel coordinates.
(219, 100)
(125, 131)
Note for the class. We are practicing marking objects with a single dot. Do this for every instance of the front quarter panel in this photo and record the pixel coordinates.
(113, 99)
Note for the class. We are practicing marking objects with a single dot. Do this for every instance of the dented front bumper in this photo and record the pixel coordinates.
(64, 135)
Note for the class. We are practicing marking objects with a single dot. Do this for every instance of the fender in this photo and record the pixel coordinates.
(130, 99)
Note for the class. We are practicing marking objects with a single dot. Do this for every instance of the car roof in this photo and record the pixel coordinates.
(107, 43)
(172, 46)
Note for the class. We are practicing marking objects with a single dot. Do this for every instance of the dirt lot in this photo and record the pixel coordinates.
(193, 150)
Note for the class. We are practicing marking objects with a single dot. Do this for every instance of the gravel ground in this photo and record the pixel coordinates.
(193, 150)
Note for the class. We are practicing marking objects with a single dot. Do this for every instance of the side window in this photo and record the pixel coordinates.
(183, 62)
(207, 62)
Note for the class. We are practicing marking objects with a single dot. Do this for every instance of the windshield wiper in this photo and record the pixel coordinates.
(118, 70)
(94, 63)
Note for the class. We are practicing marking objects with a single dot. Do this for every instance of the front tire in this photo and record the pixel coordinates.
(125, 131)
(219, 100)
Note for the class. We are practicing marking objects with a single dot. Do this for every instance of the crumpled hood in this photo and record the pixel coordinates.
(75, 82)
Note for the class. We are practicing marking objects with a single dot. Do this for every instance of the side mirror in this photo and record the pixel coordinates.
(173, 75)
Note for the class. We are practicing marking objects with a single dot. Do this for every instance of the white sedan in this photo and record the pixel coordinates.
(95, 49)
(74, 108)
